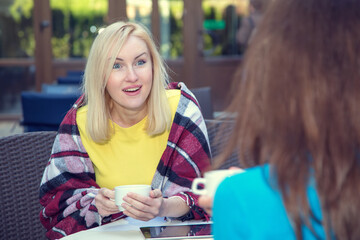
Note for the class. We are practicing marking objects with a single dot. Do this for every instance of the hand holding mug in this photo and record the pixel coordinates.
(206, 202)
(143, 207)
(122, 191)
(104, 203)
(139, 201)
(211, 181)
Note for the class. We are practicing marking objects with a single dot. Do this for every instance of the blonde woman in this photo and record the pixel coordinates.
(131, 126)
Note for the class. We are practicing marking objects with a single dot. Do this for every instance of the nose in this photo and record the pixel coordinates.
(131, 75)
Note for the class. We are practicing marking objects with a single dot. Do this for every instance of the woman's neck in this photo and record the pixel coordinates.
(126, 118)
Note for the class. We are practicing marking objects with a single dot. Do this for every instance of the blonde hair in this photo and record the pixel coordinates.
(103, 53)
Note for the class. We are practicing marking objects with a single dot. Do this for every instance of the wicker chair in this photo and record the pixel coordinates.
(219, 132)
(23, 158)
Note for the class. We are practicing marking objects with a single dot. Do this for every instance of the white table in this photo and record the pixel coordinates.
(125, 229)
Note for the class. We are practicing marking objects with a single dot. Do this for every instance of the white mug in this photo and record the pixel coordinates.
(211, 181)
(121, 191)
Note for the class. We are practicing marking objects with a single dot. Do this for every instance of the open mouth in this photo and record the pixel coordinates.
(132, 89)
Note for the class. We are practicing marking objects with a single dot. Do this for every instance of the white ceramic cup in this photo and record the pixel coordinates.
(211, 181)
(121, 191)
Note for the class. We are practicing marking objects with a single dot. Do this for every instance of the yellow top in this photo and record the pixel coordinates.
(131, 155)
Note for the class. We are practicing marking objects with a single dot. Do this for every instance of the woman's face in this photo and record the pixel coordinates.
(130, 81)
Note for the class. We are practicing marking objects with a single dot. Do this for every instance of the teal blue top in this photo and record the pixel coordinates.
(247, 207)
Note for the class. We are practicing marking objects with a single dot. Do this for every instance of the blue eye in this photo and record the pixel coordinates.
(140, 62)
(116, 66)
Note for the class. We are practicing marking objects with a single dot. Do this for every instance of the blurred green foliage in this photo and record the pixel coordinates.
(176, 37)
(75, 25)
(221, 22)
(21, 9)
(16, 29)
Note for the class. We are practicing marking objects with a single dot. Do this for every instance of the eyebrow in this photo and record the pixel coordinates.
(120, 59)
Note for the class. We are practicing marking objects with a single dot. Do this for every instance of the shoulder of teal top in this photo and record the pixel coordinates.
(257, 199)
(254, 209)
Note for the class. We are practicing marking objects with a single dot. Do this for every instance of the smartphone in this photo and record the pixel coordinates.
(188, 231)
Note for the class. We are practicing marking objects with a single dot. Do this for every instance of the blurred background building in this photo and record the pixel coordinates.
(42, 40)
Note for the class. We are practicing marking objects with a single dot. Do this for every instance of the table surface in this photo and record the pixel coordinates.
(127, 228)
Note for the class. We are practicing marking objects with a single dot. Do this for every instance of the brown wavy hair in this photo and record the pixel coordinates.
(298, 106)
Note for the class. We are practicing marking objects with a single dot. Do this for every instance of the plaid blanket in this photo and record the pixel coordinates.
(68, 186)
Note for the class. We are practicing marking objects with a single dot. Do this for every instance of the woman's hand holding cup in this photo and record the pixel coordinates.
(143, 207)
(139, 201)
(211, 181)
(104, 202)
